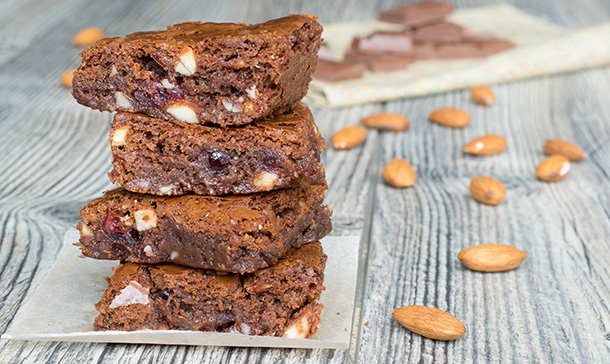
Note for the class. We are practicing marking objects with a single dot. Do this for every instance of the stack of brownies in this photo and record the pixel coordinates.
(221, 205)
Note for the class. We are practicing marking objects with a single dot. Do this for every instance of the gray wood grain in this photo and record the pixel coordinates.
(554, 308)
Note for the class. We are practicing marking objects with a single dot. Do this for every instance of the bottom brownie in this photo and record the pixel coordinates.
(277, 301)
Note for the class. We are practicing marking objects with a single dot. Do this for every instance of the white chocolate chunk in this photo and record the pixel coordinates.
(230, 107)
(186, 65)
(565, 168)
(122, 102)
(298, 330)
(265, 181)
(133, 293)
(245, 328)
(167, 84)
(145, 219)
(165, 189)
(174, 255)
(118, 138)
(86, 231)
(148, 251)
(113, 71)
(183, 113)
(252, 92)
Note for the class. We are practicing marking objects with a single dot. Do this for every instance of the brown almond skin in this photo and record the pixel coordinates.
(429, 322)
(66, 78)
(348, 137)
(565, 148)
(482, 95)
(487, 190)
(87, 36)
(487, 144)
(555, 168)
(399, 173)
(491, 257)
(386, 121)
(451, 117)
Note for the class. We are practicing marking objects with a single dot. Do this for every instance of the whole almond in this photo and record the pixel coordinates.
(348, 137)
(565, 148)
(429, 322)
(399, 173)
(66, 78)
(386, 121)
(491, 257)
(487, 190)
(487, 144)
(482, 95)
(554, 168)
(87, 36)
(451, 117)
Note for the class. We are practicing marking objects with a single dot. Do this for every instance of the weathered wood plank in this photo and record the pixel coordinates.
(554, 307)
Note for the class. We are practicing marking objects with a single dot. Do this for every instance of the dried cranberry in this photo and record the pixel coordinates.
(218, 160)
(162, 294)
(152, 93)
(114, 227)
(269, 259)
(272, 164)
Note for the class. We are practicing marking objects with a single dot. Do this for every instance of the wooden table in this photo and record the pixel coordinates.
(554, 308)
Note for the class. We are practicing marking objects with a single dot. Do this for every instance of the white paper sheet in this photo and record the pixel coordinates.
(542, 49)
(62, 308)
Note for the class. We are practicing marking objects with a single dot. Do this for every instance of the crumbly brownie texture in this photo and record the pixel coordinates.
(237, 233)
(224, 73)
(276, 301)
(171, 158)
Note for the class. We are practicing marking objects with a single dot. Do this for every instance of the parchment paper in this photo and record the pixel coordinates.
(542, 49)
(62, 308)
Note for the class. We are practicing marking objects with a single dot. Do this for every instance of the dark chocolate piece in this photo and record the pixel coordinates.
(416, 14)
(275, 301)
(472, 46)
(384, 42)
(227, 74)
(236, 233)
(448, 51)
(162, 157)
(384, 62)
(330, 71)
(439, 33)
(490, 45)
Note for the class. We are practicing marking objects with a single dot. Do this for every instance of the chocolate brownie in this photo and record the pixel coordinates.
(234, 233)
(278, 301)
(172, 158)
(224, 73)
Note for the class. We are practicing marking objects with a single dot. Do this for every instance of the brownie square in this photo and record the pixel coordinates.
(278, 301)
(234, 233)
(160, 157)
(223, 73)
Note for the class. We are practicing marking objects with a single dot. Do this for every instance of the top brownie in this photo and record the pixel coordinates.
(223, 73)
